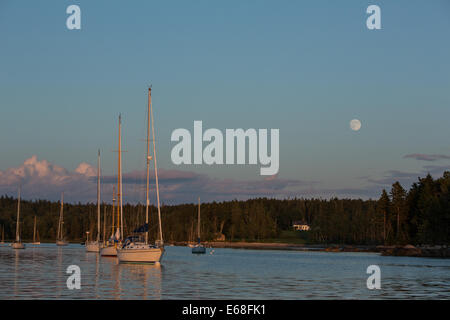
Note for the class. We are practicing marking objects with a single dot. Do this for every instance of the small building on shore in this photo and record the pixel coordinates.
(300, 225)
(219, 237)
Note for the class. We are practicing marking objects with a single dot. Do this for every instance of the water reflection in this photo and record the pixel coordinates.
(145, 280)
(40, 272)
(16, 270)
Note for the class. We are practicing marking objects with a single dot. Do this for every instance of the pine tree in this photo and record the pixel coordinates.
(383, 208)
(400, 210)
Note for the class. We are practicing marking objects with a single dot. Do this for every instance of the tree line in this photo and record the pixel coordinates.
(418, 216)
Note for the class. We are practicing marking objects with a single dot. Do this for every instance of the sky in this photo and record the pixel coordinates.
(306, 68)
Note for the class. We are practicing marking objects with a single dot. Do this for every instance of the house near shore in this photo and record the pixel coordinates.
(300, 225)
(219, 237)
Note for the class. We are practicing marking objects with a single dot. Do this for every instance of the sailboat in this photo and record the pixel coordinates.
(17, 244)
(95, 246)
(117, 236)
(199, 248)
(134, 249)
(60, 241)
(35, 234)
(109, 249)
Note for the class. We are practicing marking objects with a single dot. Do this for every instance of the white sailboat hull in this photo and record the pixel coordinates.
(35, 243)
(93, 246)
(17, 245)
(61, 243)
(110, 251)
(138, 255)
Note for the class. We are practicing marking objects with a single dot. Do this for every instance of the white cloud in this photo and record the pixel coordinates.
(41, 179)
(86, 169)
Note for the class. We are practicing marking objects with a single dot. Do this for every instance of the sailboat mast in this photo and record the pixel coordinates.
(156, 171)
(34, 230)
(18, 218)
(119, 182)
(104, 224)
(61, 217)
(98, 197)
(198, 227)
(113, 211)
(148, 161)
(59, 226)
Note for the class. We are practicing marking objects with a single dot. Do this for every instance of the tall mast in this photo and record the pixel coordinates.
(148, 160)
(119, 183)
(198, 227)
(104, 224)
(34, 230)
(59, 226)
(98, 197)
(156, 170)
(61, 217)
(113, 211)
(18, 217)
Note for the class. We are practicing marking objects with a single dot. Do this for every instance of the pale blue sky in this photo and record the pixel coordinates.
(305, 67)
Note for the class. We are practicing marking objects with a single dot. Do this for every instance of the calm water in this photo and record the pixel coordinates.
(40, 273)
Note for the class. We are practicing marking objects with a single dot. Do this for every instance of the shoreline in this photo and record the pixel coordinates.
(284, 246)
(425, 251)
(393, 250)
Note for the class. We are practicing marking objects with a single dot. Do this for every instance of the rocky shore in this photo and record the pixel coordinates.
(406, 251)
(412, 251)
(258, 246)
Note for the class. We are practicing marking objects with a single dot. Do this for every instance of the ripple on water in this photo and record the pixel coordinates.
(40, 273)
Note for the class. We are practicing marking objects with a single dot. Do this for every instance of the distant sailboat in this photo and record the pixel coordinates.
(109, 248)
(199, 248)
(191, 241)
(134, 249)
(115, 240)
(35, 234)
(95, 246)
(60, 240)
(17, 244)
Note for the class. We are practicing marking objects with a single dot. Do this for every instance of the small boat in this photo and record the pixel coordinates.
(95, 246)
(140, 253)
(135, 249)
(60, 240)
(35, 234)
(199, 248)
(17, 244)
(110, 250)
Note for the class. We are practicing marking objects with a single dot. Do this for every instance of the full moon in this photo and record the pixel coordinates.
(355, 124)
